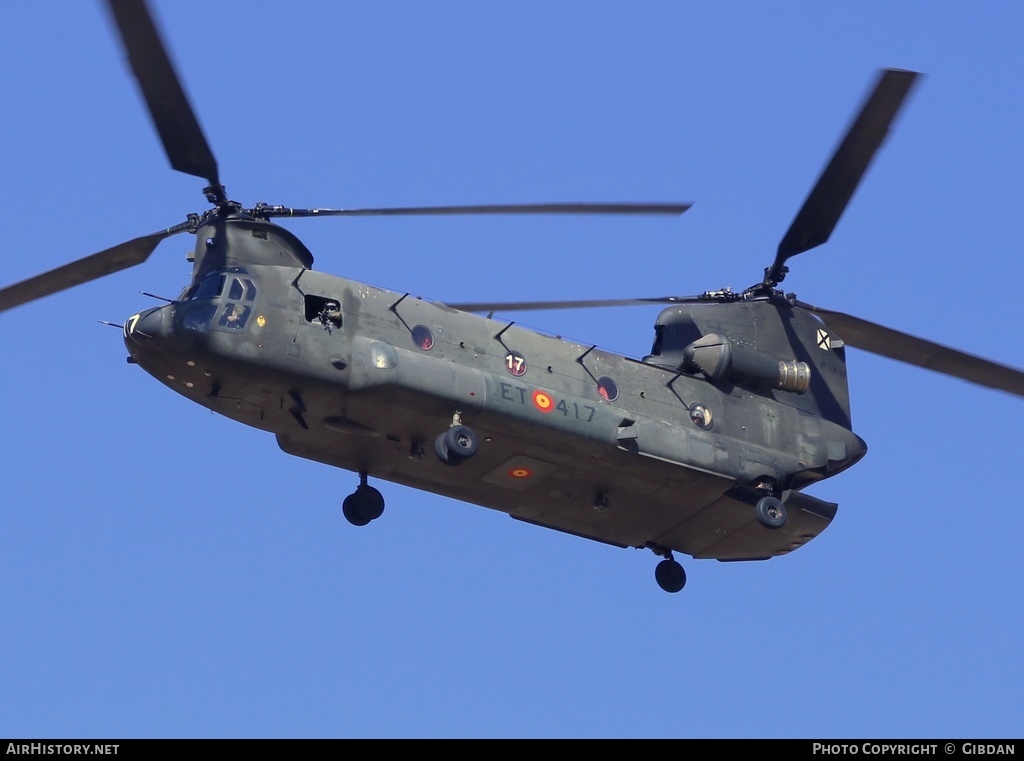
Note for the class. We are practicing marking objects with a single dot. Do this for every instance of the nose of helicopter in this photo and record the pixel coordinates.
(144, 328)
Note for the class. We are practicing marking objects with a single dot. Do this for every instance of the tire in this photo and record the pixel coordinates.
(371, 502)
(352, 513)
(770, 512)
(461, 441)
(442, 451)
(670, 576)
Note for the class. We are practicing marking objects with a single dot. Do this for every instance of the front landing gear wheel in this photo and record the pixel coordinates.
(461, 441)
(770, 512)
(363, 505)
(670, 575)
(352, 513)
(441, 450)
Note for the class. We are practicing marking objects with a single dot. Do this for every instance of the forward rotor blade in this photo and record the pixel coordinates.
(88, 268)
(835, 187)
(917, 351)
(525, 306)
(183, 139)
(512, 208)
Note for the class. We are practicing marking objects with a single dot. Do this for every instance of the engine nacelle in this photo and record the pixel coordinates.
(722, 360)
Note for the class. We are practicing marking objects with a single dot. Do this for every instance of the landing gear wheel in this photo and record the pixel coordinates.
(363, 505)
(455, 445)
(670, 575)
(461, 441)
(441, 450)
(371, 501)
(350, 509)
(770, 512)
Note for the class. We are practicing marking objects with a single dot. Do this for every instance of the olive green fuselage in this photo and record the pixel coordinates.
(630, 452)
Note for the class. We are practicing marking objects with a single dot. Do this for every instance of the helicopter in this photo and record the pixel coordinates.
(703, 446)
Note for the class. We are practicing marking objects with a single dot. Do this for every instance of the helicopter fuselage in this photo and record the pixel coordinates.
(630, 452)
(703, 446)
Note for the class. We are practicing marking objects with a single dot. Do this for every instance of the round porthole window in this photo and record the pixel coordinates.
(422, 337)
(607, 388)
(515, 363)
(701, 416)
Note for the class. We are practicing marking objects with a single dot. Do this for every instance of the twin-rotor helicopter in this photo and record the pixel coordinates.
(704, 446)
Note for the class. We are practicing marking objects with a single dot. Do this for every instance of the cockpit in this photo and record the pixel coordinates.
(223, 299)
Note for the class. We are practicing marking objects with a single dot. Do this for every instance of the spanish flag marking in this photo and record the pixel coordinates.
(542, 401)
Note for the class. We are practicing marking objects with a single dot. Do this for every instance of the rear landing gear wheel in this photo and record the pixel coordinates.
(770, 512)
(456, 444)
(670, 575)
(365, 504)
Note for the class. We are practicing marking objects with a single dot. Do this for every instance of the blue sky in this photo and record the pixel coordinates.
(150, 586)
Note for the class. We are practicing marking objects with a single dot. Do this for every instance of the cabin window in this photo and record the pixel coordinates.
(422, 337)
(515, 363)
(324, 311)
(701, 416)
(607, 389)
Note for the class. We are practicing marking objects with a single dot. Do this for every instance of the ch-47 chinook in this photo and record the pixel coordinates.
(704, 446)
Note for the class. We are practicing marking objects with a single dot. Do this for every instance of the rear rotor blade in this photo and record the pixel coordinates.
(512, 208)
(83, 270)
(169, 107)
(835, 187)
(918, 351)
(525, 306)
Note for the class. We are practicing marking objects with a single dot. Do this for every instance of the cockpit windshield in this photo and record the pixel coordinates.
(231, 292)
(234, 281)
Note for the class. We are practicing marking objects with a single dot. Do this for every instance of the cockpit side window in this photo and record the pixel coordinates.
(234, 316)
(235, 282)
(211, 286)
(249, 288)
(241, 293)
(236, 291)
